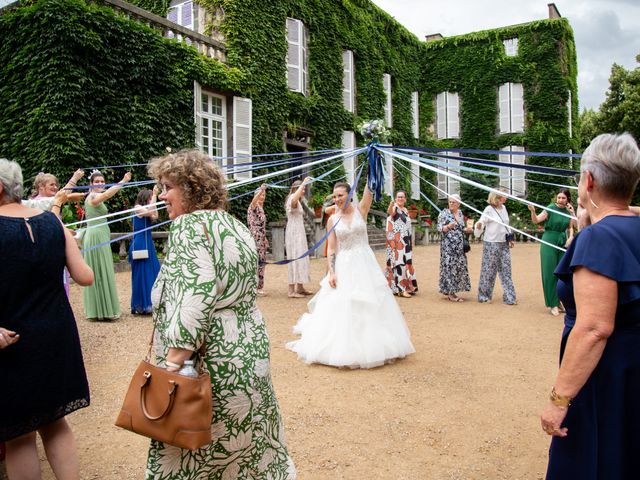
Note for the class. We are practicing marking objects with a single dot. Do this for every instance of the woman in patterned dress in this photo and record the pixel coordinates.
(400, 274)
(295, 240)
(454, 274)
(257, 223)
(206, 294)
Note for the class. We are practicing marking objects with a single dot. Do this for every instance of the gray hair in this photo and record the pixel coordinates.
(614, 163)
(11, 178)
(455, 197)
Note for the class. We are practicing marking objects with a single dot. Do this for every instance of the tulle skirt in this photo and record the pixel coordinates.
(358, 324)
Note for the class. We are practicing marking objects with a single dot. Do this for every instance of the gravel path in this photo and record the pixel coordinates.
(465, 406)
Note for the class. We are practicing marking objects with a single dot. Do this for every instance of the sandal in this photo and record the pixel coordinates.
(454, 298)
(296, 295)
(304, 292)
(404, 294)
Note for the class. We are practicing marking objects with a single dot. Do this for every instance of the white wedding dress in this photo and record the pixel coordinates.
(358, 324)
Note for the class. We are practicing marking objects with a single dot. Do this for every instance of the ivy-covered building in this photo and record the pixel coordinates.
(114, 83)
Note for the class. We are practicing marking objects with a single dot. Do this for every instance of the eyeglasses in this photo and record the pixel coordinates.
(576, 178)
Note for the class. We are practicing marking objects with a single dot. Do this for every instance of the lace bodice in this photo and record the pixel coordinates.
(352, 232)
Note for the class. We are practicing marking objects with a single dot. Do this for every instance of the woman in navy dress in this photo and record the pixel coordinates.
(593, 412)
(42, 373)
(143, 270)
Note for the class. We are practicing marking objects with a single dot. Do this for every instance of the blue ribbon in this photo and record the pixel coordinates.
(375, 179)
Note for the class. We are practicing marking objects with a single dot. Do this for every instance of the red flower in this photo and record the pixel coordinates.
(413, 207)
(423, 212)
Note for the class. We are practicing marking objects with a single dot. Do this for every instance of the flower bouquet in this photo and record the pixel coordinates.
(374, 131)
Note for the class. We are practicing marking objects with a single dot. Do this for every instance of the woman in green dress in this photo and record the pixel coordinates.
(555, 233)
(205, 293)
(101, 299)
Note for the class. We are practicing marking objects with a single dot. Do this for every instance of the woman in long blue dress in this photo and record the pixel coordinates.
(593, 412)
(144, 266)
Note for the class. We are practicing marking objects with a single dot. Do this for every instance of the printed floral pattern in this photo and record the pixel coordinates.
(206, 292)
(399, 271)
(257, 222)
(454, 274)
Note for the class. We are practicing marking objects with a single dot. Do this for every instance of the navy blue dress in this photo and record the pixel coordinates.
(42, 375)
(603, 440)
(143, 272)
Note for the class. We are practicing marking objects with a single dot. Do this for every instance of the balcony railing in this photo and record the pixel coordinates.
(206, 45)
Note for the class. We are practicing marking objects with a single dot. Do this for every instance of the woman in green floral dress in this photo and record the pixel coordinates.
(206, 293)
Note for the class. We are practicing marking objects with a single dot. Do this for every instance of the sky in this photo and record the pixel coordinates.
(605, 31)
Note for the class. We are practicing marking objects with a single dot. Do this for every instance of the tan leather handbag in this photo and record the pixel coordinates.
(168, 407)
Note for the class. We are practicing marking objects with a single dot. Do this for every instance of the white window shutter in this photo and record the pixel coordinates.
(517, 107)
(570, 115)
(187, 15)
(415, 181)
(511, 47)
(388, 106)
(304, 55)
(453, 185)
(518, 180)
(349, 162)
(441, 115)
(415, 114)
(505, 172)
(242, 133)
(504, 107)
(347, 81)
(294, 60)
(172, 14)
(453, 115)
(388, 174)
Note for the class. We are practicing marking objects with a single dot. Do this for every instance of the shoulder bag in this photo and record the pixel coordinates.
(141, 254)
(169, 407)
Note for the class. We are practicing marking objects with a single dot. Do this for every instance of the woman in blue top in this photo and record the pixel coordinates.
(593, 412)
(142, 253)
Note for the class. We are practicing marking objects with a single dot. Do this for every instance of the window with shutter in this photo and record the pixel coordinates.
(511, 108)
(182, 14)
(513, 180)
(242, 134)
(348, 81)
(510, 47)
(211, 122)
(448, 115)
(297, 62)
(349, 143)
(388, 106)
(415, 114)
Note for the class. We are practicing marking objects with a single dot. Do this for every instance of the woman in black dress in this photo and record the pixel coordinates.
(40, 354)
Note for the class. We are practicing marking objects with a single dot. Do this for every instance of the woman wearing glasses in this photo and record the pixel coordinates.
(554, 238)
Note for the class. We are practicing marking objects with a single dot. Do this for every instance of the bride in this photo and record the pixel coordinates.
(353, 321)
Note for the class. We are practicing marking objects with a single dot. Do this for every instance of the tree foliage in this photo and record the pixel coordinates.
(620, 112)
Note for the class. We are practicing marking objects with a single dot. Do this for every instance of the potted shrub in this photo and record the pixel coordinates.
(315, 202)
(413, 211)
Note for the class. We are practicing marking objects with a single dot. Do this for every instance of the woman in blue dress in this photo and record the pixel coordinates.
(593, 412)
(142, 253)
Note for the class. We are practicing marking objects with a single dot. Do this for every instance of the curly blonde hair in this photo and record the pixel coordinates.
(41, 180)
(202, 182)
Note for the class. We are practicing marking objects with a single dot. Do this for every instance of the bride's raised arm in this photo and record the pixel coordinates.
(365, 203)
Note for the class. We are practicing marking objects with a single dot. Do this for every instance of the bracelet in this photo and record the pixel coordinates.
(56, 205)
(171, 364)
(558, 400)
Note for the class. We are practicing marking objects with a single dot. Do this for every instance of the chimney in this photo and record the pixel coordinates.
(433, 37)
(553, 11)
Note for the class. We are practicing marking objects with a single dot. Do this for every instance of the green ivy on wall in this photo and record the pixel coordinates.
(474, 65)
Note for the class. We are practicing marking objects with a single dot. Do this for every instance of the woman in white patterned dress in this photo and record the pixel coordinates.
(205, 293)
(295, 239)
